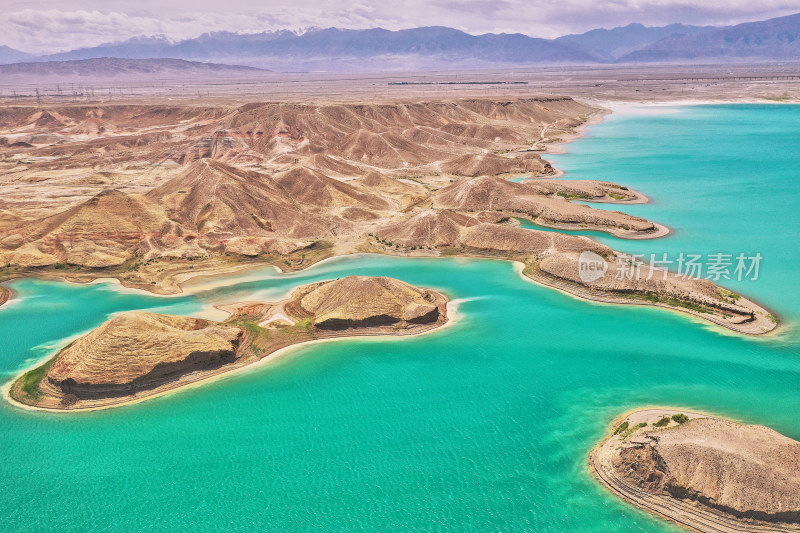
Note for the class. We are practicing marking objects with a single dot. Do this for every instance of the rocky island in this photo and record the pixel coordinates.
(705, 473)
(139, 354)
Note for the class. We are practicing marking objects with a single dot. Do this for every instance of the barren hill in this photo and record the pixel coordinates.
(99, 232)
(707, 473)
(137, 350)
(311, 188)
(367, 301)
(209, 189)
(493, 193)
(218, 200)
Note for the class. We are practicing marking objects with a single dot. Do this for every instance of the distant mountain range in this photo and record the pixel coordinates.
(610, 45)
(337, 49)
(448, 48)
(775, 39)
(9, 55)
(105, 67)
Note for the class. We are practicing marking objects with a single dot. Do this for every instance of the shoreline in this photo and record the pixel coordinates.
(559, 147)
(592, 468)
(220, 276)
(587, 295)
(185, 286)
(687, 102)
(570, 289)
(452, 318)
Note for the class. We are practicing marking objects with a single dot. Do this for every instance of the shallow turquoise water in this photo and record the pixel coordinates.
(484, 426)
(527, 224)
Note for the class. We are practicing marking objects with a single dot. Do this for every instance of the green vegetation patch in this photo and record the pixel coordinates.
(573, 196)
(632, 429)
(263, 340)
(662, 422)
(731, 296)
(672, 302)
(680, 418)
(28, 383)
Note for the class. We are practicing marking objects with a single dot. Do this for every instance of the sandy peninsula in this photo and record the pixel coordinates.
(702, 472)
(138, 355)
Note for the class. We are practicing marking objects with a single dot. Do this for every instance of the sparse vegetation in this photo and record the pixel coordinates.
(574, 196)
(29, 381)
(680, 418)
(662, 422)
(670, 301)
(731, 296)
(626, 433)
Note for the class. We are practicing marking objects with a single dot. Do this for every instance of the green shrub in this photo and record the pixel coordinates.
(661, 423)
(622, 427)
(680, 418)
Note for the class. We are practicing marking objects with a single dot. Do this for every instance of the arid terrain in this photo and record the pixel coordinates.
(156, 194)
(137, 354)
(776, 82)
(705, 473)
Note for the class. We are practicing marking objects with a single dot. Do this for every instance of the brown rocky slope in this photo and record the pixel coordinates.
(706, 473)
(181, 192)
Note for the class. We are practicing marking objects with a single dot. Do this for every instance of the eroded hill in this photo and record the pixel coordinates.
(705, 473)
(138, 354)
(153, 195)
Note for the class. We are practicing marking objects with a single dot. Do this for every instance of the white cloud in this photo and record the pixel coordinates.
(55, 27)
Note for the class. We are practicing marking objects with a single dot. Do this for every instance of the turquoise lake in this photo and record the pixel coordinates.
(483, 426)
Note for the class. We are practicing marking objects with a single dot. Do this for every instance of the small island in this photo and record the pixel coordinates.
(138, 354)
(702, 472)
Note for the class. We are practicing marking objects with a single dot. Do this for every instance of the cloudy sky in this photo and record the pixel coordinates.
(55, 25)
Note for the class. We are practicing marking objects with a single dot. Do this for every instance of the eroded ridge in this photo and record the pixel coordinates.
(155, 195)
(138, 354)
(705, 473)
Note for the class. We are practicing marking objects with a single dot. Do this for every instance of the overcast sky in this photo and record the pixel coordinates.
(55, 25)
